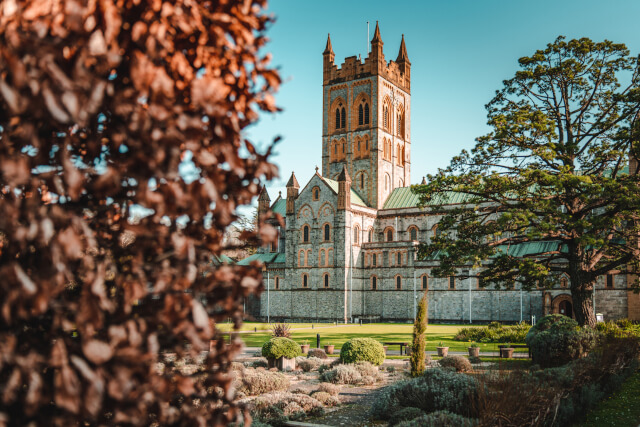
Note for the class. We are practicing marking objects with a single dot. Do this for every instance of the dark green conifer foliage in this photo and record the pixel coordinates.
(419, 329)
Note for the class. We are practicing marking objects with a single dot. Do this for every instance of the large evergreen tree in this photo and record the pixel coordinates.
(549, 190)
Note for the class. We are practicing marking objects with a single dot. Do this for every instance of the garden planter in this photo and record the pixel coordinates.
(506, 353)
(304, 348)
(282, 363)
(474, 351)
(443, 351)
(329, 349)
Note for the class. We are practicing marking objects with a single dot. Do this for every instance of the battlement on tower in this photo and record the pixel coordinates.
(353, 68)
(397, 72)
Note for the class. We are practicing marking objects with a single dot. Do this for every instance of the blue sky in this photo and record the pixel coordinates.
(460, 52)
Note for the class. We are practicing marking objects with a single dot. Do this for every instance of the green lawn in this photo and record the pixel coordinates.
(620, 410)
(385, 332)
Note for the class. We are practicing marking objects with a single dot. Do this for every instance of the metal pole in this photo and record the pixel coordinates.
(268, 301)
(351, 286)
(521, 304)
(469, 279)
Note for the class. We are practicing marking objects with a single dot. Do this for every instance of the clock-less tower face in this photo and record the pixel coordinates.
(366, 122)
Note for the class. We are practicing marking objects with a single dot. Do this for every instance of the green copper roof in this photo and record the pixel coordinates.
(355, 199)
(280, 206)
(403, 197)
(222, 259)
(268, 258)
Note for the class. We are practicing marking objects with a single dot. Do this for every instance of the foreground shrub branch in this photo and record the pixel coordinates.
(105, 240)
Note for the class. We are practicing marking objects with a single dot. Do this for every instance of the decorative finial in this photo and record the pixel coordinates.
(317, 168)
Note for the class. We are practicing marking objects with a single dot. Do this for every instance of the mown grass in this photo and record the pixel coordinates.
(338, 335)
(621, 409)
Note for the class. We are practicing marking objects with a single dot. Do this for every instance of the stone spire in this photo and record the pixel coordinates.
(376, 35)
(424, 181)
(264, 203)
(344, 189)
(376, 54)
(292, 194)
(327, 61)
(402, 53)
(329, 48)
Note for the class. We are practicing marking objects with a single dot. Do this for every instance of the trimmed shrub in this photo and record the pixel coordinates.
(258, 381)
(459, 363)
(259, 364)
(279, 347)
(342, 374)
(325, 398)
(308, 364)
(362, 350)
(278, 407)
(366, 369)
(557, 340)
(439, 419)
(323, 368)
(405, 414)
(332, 389)
(437, 389)
(619, 329)
(494, 332)
(317, 352)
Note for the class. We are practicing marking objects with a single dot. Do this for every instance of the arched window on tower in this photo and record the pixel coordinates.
(385, 114)
(362, 180)
(360, 115)
(370, 233)
(366, 114)
(343, 120)
(277, 283)
(356, 235)
(337, 118)
(305, 234)
(400, 124)
(398, 282)
(374, 283)
(327, 232)
(425, 282)
(326, 280)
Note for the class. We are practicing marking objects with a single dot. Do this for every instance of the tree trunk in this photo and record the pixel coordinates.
(583, 305)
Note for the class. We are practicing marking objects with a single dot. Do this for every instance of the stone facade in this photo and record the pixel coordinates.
(348, 249)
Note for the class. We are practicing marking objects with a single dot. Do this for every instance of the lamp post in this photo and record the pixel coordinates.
(264, 268)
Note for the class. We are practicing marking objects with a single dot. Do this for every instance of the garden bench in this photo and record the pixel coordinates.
(514, 346)
(401, 344)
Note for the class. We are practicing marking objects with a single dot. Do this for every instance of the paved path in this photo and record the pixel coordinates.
(248, 352)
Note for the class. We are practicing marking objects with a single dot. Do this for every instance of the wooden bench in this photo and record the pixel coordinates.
(500, 347)
(401, 344)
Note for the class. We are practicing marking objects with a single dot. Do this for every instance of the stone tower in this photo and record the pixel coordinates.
(366, 120)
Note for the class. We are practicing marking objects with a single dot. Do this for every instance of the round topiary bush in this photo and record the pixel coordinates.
(362, 350)
(557, 340)
(279, 347)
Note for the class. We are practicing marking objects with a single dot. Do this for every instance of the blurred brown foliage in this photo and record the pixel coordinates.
(101, 101)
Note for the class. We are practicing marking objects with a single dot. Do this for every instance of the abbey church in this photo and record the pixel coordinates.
(348, 249)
